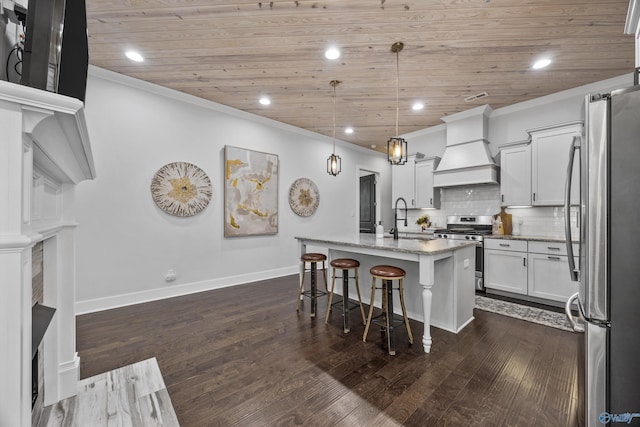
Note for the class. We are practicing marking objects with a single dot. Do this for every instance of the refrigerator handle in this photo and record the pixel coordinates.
(577, 327)
(575, 145)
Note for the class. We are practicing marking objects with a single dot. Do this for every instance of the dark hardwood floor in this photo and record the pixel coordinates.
(242, 356)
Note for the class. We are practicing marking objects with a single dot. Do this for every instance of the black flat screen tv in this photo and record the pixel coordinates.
(56, 47)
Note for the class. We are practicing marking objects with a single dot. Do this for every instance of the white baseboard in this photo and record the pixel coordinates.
(67, 381)
(100, 304)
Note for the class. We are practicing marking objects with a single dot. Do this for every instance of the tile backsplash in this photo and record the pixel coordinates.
(485, 200)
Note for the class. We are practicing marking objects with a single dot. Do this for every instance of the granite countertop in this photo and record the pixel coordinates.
(529, 238)
(422, 245)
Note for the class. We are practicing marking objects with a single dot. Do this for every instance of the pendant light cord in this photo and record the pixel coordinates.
(397, 89)
(334, 117)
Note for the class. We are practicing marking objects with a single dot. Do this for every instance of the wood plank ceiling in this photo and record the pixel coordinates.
(233, 52)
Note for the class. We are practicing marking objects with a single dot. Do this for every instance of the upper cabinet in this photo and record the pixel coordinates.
(549, 160)
(413, 182)
(403, 181)
(426, 195)
(515, 175)
(535, 174)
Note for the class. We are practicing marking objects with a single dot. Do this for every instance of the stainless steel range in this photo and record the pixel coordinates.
(469, 227)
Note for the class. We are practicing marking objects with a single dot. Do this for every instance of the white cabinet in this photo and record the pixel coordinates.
(534, 268)
(413, 182)
(549, 161)
(515, 175)
(549, 272)
(505, 265)
(403, 181)
(426, 195)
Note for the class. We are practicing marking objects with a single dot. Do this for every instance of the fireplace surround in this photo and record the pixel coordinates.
(44, 153)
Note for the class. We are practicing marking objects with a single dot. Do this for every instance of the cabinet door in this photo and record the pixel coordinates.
(505, 271)
(515, 176)
(403, 181)
(549, 277)
(426, 195)
(549, 161)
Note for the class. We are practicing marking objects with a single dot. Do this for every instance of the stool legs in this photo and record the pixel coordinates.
(404, 311)
(345, 298)
(313, 293)
(387, 289)
(386, 317)
(364, 320)
(368, 322)
(301, 286)
(333, 282)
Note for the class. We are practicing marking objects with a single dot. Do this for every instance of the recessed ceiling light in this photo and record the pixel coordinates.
(417, 106)
(348, 131)
(134, 56)
(332, 53)
(373, 145)
(265, 101)
(541, 63)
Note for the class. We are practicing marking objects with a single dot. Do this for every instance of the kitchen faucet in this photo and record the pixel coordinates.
(395, 217)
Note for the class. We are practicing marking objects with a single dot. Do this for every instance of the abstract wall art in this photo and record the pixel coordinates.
(250, 192)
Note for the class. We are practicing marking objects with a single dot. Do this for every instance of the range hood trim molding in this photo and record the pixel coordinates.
(474, 175)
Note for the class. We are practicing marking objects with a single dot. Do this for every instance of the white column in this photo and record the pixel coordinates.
(15, 267)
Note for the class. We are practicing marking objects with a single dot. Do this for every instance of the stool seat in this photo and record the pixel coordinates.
(313, 257)
(345, 263)
(387, 271)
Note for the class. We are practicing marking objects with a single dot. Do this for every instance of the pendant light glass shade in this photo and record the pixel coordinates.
(397, 151)
(334, 163)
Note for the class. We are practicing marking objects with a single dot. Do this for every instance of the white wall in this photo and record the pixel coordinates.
(126, 244)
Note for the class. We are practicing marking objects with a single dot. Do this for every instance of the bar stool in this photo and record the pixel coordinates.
(346, 265)
(313, 259)
(388, 274)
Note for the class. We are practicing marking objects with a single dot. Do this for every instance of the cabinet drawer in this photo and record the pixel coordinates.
(506, 244)
(551, 248)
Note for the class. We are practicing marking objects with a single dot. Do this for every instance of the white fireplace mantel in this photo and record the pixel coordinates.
(44, 153)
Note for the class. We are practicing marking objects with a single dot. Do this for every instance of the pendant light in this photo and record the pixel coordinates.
(334, 163)
(396, 146)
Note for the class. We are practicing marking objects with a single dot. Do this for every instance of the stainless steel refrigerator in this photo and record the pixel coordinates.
(608, 268)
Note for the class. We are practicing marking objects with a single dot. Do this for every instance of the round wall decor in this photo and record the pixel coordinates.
(181, 189)
(304, 197)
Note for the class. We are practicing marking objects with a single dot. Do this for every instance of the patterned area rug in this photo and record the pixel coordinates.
(530, 314)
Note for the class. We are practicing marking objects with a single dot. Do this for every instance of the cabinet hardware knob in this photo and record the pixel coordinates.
(534, 197)
(553, 248)
(524, 262)
(505, 244)
(554, 258)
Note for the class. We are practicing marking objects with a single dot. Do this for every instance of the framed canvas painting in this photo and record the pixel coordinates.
(250, 192)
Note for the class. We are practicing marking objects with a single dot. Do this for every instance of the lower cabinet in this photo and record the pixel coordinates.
(505, 265)
(536, 269)
(549, 272)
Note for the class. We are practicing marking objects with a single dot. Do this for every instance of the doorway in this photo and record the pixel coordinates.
(368, 203)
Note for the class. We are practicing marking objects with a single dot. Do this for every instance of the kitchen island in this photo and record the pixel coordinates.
(444, 269)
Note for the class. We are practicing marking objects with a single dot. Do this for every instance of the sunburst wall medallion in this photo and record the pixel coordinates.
(181, 189)
(304, 197)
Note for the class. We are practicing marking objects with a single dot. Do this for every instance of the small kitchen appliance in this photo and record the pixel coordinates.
(472, 228)
(607, 262)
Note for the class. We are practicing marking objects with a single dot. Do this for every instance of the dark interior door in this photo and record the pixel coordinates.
(368, 204)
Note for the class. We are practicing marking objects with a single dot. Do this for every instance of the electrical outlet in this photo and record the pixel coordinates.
(466, 263)
(170, 276)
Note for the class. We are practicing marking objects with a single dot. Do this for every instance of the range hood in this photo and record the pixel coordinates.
(466, 159)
